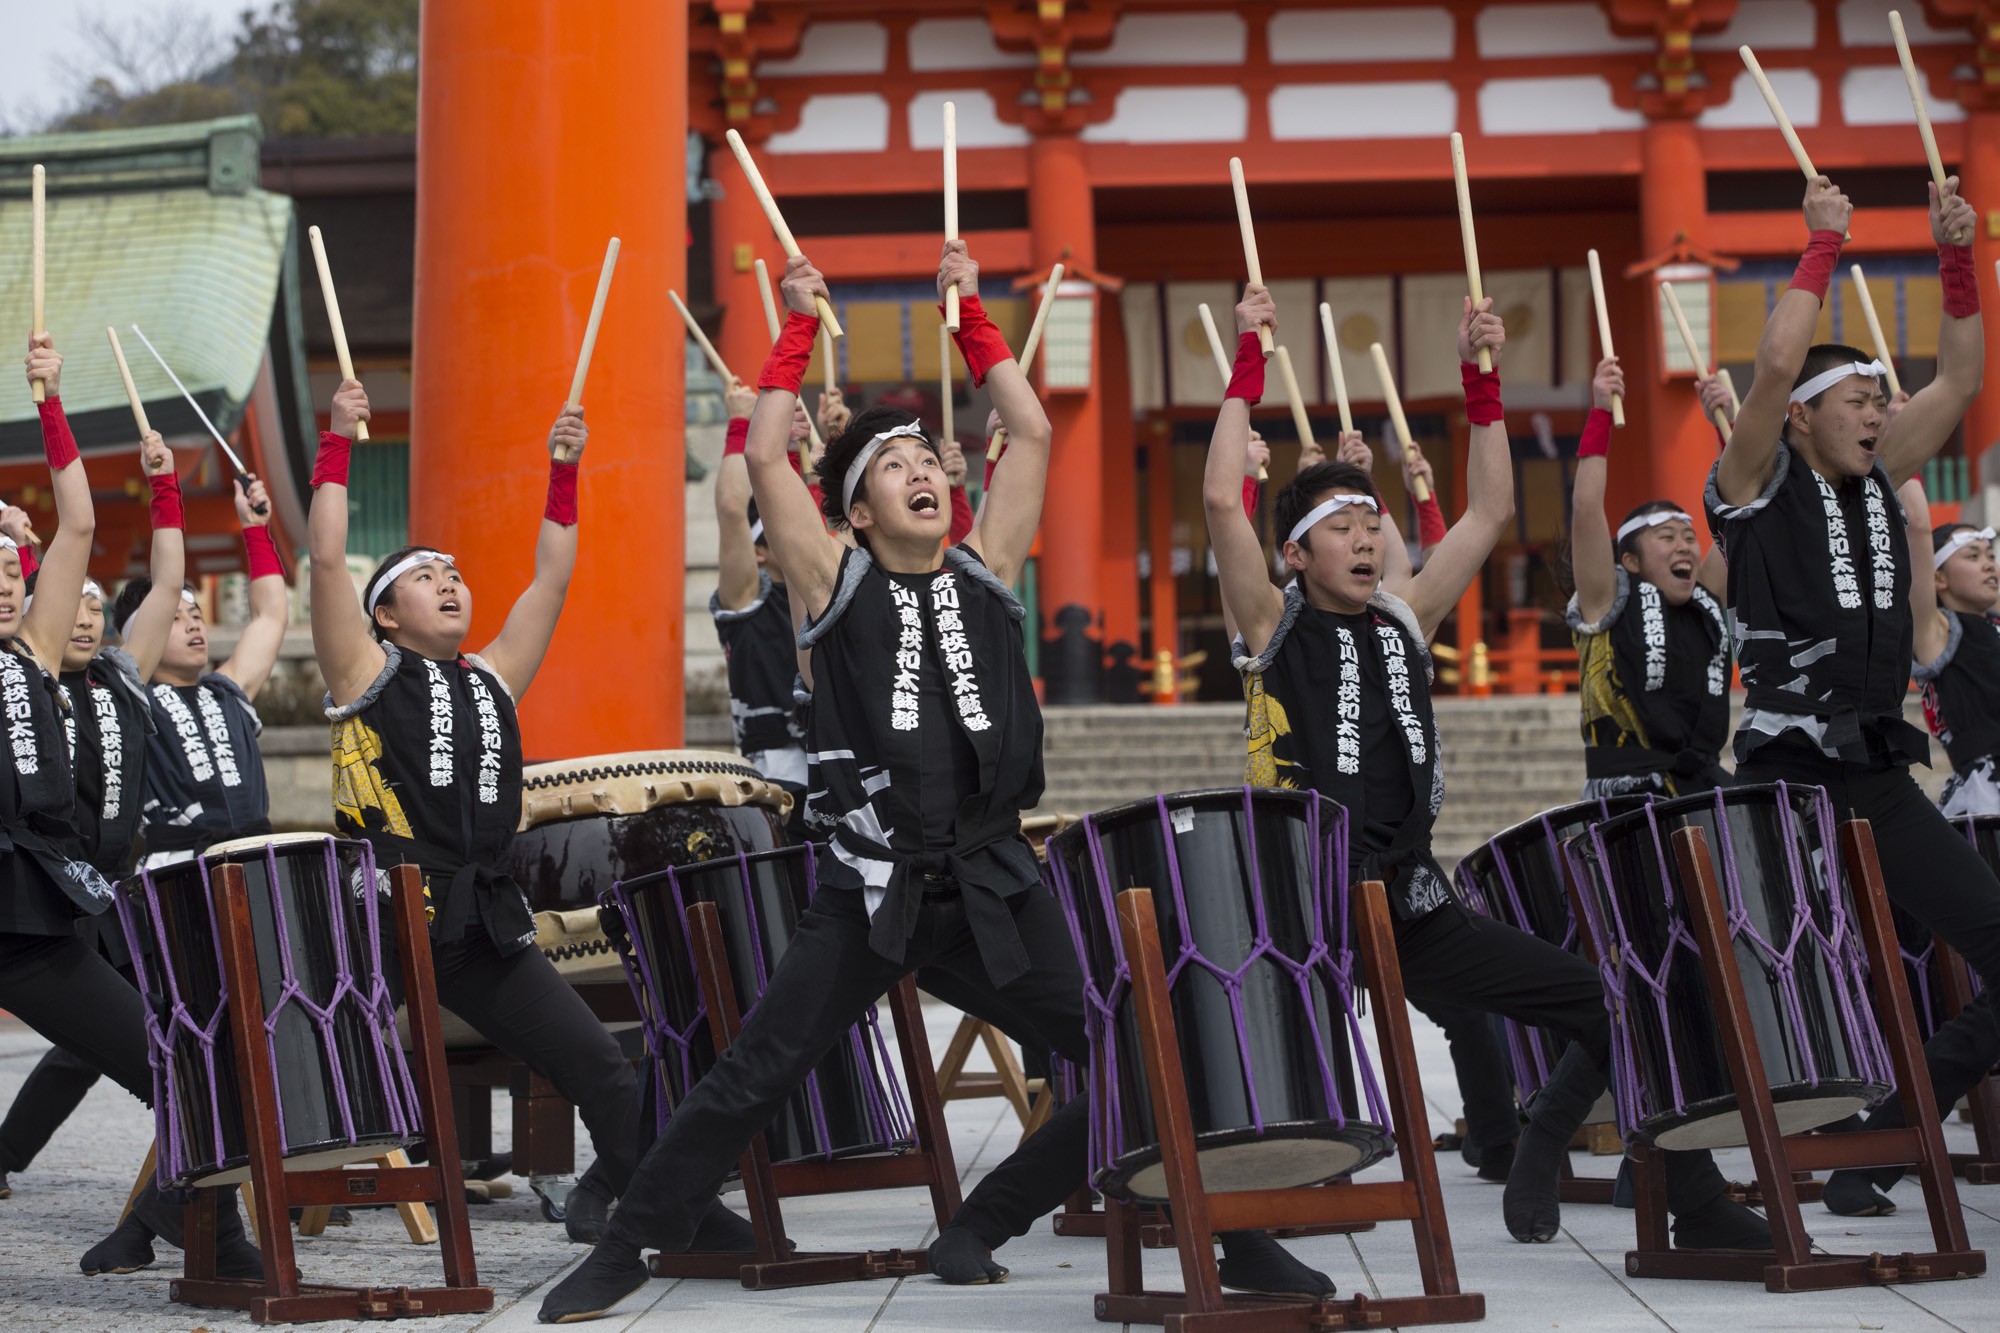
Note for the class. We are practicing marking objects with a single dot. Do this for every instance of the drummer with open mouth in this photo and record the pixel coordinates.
(926, 746)
(1803, 500)
(1370, 743)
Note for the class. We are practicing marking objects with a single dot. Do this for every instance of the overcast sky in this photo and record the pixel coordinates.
(33, 83)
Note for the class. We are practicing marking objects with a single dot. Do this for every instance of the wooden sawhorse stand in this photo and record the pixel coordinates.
(1983, 1102)
(1202, 1307)
(1795, 1267)
(1024, 1094)
(280, 1297)
(773, 1264)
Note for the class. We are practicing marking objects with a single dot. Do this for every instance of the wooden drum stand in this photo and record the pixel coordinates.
(1983, 1102)
(280, 1297)
(1202, 1308)
(773, 1264)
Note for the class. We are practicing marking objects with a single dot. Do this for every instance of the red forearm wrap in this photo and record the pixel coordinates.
(30, 562)
(1815, 271)
(1430, 523)
(1251, 492)
(979, 339)
(1482, 393)
(1246, 379)
(961, 515)
(737, 437)
(330, 464)
(167, 501)
(57, 442)
(1961, 288)
(785, 367)
(261, 553)
(561, 507)
(1596, 441)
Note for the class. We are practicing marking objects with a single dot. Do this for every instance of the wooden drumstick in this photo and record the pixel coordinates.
(1923, 117)
(590, 332)
(1604, 331)
(1222, 366)
(1256, 269)
(700, 338)
(38, 194)
(332, 301)
(945, 434)
(777, 220)
(1875, 327)
(1396, 417)
(1333, 364)
(1694, 352)
(1472, 280)
(1300, 420)
(1728, 384)
(771, 323)
(1034, 340)
(1778, 114)
(131, 390)
(951, 206)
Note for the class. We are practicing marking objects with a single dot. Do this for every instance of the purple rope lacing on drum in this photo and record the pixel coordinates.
(1531, 1064)
(1329, 850)
(391, 1061)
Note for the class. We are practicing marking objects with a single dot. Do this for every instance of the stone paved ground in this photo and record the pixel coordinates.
(66, 1202)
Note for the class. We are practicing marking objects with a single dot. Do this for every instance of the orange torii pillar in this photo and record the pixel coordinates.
(1981, 177)
(1062, 222)
(1673, 189)
(544, 129)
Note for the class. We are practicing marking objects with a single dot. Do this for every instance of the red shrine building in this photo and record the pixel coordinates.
(1099, 134)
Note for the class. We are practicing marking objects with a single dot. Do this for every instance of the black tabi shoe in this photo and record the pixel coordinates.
(1722, 1224)
(126, 1250)
(1853, 1194)
(610, 1273)
(336, 1215)
(1253, 1261)
(236, 1255)
(1497, 1163)
(722, 1230)
(1622, 1194)
(587, 1213)
(963, 1259)
(1533, 1205)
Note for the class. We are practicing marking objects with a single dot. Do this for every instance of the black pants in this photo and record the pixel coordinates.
(1485, 1077)
(1934, 874)
(523, 1006)
(827, 979)
(62, 988)
(53, 1090)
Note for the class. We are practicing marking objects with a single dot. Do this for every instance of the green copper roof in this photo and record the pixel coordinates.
(163, 227)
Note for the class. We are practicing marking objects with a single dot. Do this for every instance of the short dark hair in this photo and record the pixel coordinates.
(841, 451)
(129, 597)
(379, 579)
(1312, 485)
(1629, 543)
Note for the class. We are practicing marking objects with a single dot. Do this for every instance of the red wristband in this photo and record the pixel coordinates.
(261, 553)
(1815, 271)
(1596, 441)
(1430, 523)
(979, 339)
(167, 501)
(1961, 287)
(962, 517)
(738, 436)
(30, 562)
(561, 506)
(57, 442)
(1251, 492)
(330, 464)
(785, 367)
(1482, 393)
(1246, 379)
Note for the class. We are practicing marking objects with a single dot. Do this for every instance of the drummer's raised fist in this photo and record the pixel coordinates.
(350, 406)
(959, 267)
(248, 499)
(154, 456)
(1256, 310)
(44, 363)
(1480, 330)
(568, 436)
(801, 283)
(1827, 209)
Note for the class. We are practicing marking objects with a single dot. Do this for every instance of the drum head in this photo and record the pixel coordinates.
(237, 846)
(1283, 1157)
(641, 780)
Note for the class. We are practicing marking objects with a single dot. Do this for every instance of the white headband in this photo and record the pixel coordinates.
(1652, 520)
(909, 429)
(91, 588)
(125, 630)
(757, 532)
(1826, 379)
(1959, 540)
(1327, 506)
(8, 543)
(400, 568)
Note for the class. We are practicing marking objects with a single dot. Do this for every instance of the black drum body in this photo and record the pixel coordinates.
(851, 1104)
(1518, 877)
(1796, 949)
(344, 1090)
(1249, 886)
